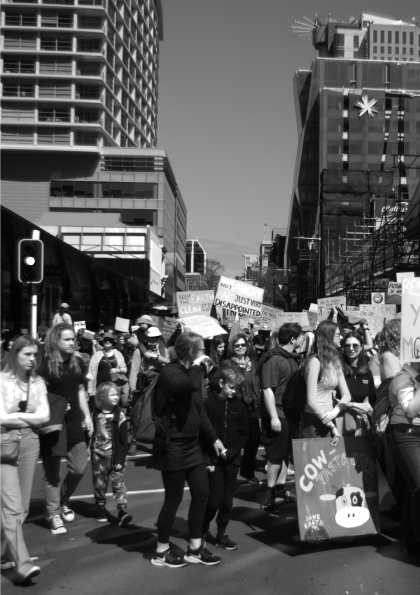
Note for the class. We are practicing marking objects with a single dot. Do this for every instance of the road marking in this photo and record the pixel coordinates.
(129, 458)
(159, 490)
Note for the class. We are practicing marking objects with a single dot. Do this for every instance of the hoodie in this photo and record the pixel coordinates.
(229, 418)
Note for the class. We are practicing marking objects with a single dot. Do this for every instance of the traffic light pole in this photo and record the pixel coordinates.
(33, 295)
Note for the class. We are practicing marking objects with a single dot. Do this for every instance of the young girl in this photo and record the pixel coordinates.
(109, 452)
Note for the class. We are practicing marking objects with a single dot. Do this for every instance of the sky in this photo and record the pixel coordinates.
(226, 110)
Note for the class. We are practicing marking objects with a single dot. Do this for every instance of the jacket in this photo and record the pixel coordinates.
(251, 397)
(94, 364)
(119, 435)
(229, 418)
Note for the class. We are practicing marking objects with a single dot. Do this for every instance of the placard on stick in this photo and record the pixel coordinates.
(410, 320)
(336, 488)
(191, 303)
(326, 304)
(270, 317)
(239, 297)
(377, 315)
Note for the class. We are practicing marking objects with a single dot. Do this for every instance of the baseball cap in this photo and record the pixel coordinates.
(64, 305)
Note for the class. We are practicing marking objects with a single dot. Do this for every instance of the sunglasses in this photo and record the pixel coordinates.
(354, 346)
(108, 341)
(240, 345)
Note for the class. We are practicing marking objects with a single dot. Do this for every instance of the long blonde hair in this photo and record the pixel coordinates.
(326, 352)
(52, 350)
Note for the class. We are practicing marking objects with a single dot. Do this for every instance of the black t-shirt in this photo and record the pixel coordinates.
(361, 387)
(280, 373)
(67, 385)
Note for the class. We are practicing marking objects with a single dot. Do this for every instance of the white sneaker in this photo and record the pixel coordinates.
(57, 525)
(67, 513)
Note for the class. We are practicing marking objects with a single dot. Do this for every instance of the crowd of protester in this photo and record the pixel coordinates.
(200, 403)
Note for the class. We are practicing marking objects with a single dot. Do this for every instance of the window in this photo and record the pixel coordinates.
(397, 50)
(411, 38)
(89, 45)
(404, 51)
(17, 136)
(382, 49)
(26, 19)
(53, 19)
(19, 40)
(397, 37)
(356, 41)
(87, 92)
(87, 116)
(375, 49)
(18, 89)
(18, 65)
(57, 44)
(21, 113)
(382, 36)
(55, 65)
(53, 136)
(375, 36)
(389, 36)
(88, 22)
(389, 50)
(56, 89)
(404, 37)
(52, 114)
(88, 69)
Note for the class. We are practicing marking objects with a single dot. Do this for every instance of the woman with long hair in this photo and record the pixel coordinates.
(324, 375)
(177, 452)
(23, 407)
(104, 363)
(361, 385)
(248, 390)
(389, 349)
(217, 351)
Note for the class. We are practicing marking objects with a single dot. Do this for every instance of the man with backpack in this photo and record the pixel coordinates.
(279, 373)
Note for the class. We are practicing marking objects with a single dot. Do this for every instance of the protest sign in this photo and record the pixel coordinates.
(191, 303)
(377, 298)
(376, 316)
(336, 487)
(410, 320)
(352, 308)
(313, 320)
(394, 288)
(326, 304)
(78, 325)
(406, 275)
(313, 308)
(122, 325)
(298, 317)
(203, 325)
(270, 317)
(239, 297)
(167, 327)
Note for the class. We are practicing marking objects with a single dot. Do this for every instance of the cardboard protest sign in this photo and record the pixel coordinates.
(352, 308)
(191, 303)
(376, 316)
(336, 488)
(326, 304)
(377, 298)
(313, 308)
(406, 275)
(270, 317)
(122, 325)
(299, 317)
(203, 325)
(394, 288)
(78, 325)
(167, 327)
(313, 320)
(239, 297)
(410, 320)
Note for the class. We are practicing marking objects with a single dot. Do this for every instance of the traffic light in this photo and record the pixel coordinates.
(30, 261)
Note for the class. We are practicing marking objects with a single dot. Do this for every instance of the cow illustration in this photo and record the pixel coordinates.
(351, 507)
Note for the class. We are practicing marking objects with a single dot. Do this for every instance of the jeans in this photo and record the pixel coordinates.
(102, 470)
(76, 465)
(222, 483)
(16, 486)
(249, 458)
(407, 456)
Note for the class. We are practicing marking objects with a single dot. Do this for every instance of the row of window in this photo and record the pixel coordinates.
(49, 19)
(395, 50)
(47, 136)
(397, 37)
(135, 190)
(50, 114)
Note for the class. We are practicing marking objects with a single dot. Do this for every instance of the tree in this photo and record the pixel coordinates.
(269, 278)
(211, 277)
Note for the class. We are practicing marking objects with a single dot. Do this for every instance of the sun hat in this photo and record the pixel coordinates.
(108, 335)
(64, 305)
(153, 331)
(145, 319)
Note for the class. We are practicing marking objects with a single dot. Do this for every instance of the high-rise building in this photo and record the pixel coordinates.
(357, 109)
(196, 265)
(80, 74)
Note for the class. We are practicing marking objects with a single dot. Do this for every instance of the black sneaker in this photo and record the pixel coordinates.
(101, 515)
(269, 503)
(201, 556)
(287, 495)
(132, 451)
(252, 480)
(124, 517)
(226, 543)
(168, 558)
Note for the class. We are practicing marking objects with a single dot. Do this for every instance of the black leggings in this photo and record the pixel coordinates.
(174, 482)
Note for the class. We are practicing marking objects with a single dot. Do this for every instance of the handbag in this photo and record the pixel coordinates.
(10, 447)
(117, 378)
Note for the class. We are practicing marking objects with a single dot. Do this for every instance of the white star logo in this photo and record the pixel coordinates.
(367, 107)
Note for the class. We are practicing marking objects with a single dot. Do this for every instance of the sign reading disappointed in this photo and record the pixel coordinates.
(336, 487)
(239, 297)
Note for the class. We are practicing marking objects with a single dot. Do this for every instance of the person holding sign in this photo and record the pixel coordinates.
(324, 374)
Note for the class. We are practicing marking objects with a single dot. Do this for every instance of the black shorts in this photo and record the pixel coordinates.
(277, 445)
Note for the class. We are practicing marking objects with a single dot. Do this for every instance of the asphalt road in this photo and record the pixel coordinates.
(105, 559)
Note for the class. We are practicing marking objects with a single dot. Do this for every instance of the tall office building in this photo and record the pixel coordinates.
(196, 265)
(80, 73)
(357, 110)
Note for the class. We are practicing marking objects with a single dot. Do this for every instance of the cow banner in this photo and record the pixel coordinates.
(336, 487)
(410, 320)
(239, 297)
(191, 303)
(326, 304)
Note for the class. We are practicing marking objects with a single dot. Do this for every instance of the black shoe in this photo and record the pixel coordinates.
(124, 517)
(168, 558)
(408, 545)
(269, 502)
(132, 451)
(226, 543)
(252, 480)
(287, 495)
(201, 556)
(101, 515)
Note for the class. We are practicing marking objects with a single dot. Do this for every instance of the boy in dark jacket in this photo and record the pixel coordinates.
(109, 452)
(229, 418)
